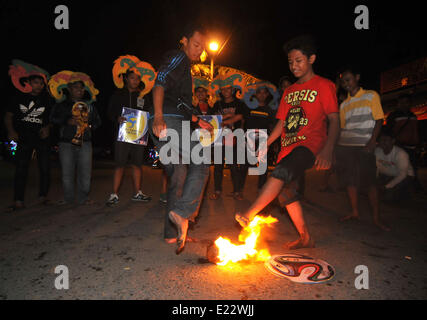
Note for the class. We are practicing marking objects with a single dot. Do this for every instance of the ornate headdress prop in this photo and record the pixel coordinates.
(232, 77)
(60, 81)
(252, 89)
(20, 69)
(131, 63)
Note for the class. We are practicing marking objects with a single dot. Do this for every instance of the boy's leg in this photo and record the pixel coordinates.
(373, 199)
(121, 154)
(137, 157)
(354, 199)
(269, 191)
(348, 159)
(368, 170)
(117, 178)
(296, 213)
(287, 170)
(136, 176)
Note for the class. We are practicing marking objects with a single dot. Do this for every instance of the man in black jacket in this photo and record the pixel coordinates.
(172, 96)
(74, 156)
(123, 152)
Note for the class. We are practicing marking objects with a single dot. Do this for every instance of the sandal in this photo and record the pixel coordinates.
(215, 196)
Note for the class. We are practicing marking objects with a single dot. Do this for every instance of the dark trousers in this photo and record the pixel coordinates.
(24, 152)
(238, 171)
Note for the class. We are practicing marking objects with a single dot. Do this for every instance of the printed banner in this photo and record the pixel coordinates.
(135, 129)
(205, 138)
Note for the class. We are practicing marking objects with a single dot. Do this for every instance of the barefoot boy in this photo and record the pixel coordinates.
(304, 109)
(361, 117)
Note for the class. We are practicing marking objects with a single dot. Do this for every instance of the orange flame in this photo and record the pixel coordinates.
(231, 253)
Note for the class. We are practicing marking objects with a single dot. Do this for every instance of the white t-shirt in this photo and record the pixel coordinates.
(395, 164)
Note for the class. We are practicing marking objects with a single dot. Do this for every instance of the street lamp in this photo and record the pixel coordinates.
(213, 48)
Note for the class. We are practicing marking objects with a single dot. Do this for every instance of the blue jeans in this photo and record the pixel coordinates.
(73, 157)
(186, 182)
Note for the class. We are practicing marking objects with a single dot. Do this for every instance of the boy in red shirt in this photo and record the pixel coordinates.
(302, 125)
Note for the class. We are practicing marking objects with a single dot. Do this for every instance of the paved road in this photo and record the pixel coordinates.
(118, 253)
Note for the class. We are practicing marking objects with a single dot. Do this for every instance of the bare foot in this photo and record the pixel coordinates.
(350, 217)
(182, 226)
(300, 243)
(242, 220)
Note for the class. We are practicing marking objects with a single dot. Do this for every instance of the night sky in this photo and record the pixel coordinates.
(101, 31)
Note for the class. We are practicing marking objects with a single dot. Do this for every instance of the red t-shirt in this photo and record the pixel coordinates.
(304, 109)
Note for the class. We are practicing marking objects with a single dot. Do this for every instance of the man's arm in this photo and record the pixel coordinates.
(159, 123)
(324, 158)
(370, 146)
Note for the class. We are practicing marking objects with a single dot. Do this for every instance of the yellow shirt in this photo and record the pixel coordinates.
(358, 116)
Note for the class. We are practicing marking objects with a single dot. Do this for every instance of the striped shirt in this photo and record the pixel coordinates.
(358, 116)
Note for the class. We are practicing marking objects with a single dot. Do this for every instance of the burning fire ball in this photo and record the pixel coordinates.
(224, 252)
(299, 268)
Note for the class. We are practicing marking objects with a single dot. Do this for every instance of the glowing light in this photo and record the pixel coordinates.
(231, 253)
(213, 46)
(404, 81)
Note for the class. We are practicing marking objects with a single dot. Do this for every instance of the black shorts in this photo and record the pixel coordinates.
(290, 169)
(127, 153)
(355, 166)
